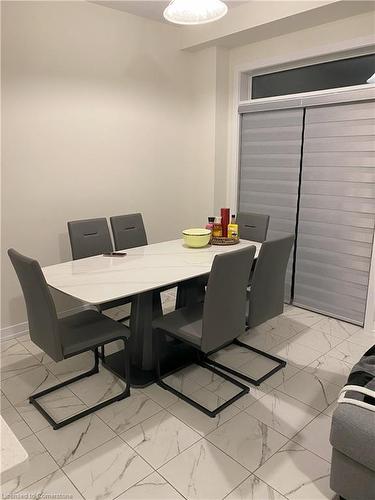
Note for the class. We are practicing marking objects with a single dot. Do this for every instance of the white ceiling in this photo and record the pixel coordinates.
(153, 9)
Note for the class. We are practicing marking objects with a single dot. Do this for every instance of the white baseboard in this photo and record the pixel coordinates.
(13, 331)
(10, 332)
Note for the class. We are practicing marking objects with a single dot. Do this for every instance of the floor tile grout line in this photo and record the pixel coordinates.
(48, 453)
(21, 417)
(132, 426)
(71, 482)
(84, 454)
(243, 466)
(171, 414)
(277, 430)
(238, 485)
(50, 474)
(303, 401)
(300, 430)
(117, 436)
(320, 412)
(310, 451)
(264, 482)
(140, 481)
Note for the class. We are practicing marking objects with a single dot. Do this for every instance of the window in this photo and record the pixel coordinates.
(329, 75)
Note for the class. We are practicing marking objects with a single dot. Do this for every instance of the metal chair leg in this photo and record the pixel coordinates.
(211, 413)
(57, 425)
(281, 363)
(102, 353)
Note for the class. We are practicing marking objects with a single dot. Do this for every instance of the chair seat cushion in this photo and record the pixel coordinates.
(184, 323)
(87, 329)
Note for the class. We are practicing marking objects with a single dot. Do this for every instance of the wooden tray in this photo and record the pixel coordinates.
(221, 240)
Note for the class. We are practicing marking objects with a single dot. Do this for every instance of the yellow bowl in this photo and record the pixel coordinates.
(196, 237)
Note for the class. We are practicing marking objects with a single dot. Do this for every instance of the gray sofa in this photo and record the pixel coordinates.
(353, 438)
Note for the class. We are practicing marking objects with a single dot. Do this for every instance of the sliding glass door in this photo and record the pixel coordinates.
(270, 157)
(312, 169)
(337, 210)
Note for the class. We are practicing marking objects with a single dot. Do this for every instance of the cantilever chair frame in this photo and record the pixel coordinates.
(274, 309)
(64, 338)
(201, 361)
(206, 331)
(95, 369)
(281, 363)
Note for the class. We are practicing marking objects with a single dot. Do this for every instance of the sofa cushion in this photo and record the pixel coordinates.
(353, 433)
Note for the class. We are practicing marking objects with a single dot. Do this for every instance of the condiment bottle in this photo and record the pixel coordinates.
(210, 224)
(217, 229)
(233, 228)
(225, 220)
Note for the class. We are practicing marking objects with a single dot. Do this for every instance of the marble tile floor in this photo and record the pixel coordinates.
(271, 444)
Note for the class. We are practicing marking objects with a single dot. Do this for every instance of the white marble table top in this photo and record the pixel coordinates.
(102, 279)
(14, 458)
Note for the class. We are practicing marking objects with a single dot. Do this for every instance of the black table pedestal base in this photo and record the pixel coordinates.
(175, 355)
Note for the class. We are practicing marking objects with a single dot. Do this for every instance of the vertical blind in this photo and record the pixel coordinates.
(337, 210)
(270, 155)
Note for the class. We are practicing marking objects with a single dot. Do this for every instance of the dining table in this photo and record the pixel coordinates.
(141, 273)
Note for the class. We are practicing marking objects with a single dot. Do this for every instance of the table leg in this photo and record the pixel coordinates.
(145, 307)
(175, 355)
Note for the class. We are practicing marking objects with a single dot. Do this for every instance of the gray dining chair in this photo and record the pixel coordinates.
(91, 237)
(63, 338)
(128, 231)
(265, 298)
(213, 324)
(253, 227)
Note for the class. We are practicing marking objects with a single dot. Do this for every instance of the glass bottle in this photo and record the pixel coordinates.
(217, 229)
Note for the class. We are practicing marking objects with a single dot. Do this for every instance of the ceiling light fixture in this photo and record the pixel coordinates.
(195, 11)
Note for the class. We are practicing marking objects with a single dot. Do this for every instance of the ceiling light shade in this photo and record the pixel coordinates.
(195, 11)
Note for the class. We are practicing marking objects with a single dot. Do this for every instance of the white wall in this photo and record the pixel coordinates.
(102, 114)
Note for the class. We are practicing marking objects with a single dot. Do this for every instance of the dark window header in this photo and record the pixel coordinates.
(329, 75)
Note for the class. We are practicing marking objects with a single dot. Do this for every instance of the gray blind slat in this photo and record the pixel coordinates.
(357, 174)
(269, 170)
(341, 113)
(337, 210)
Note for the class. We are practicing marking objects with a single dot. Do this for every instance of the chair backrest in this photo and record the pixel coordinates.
(224, 312)
(89, 237)
(128, 231)
(41, 311)
(268, 281)
(253, 227)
